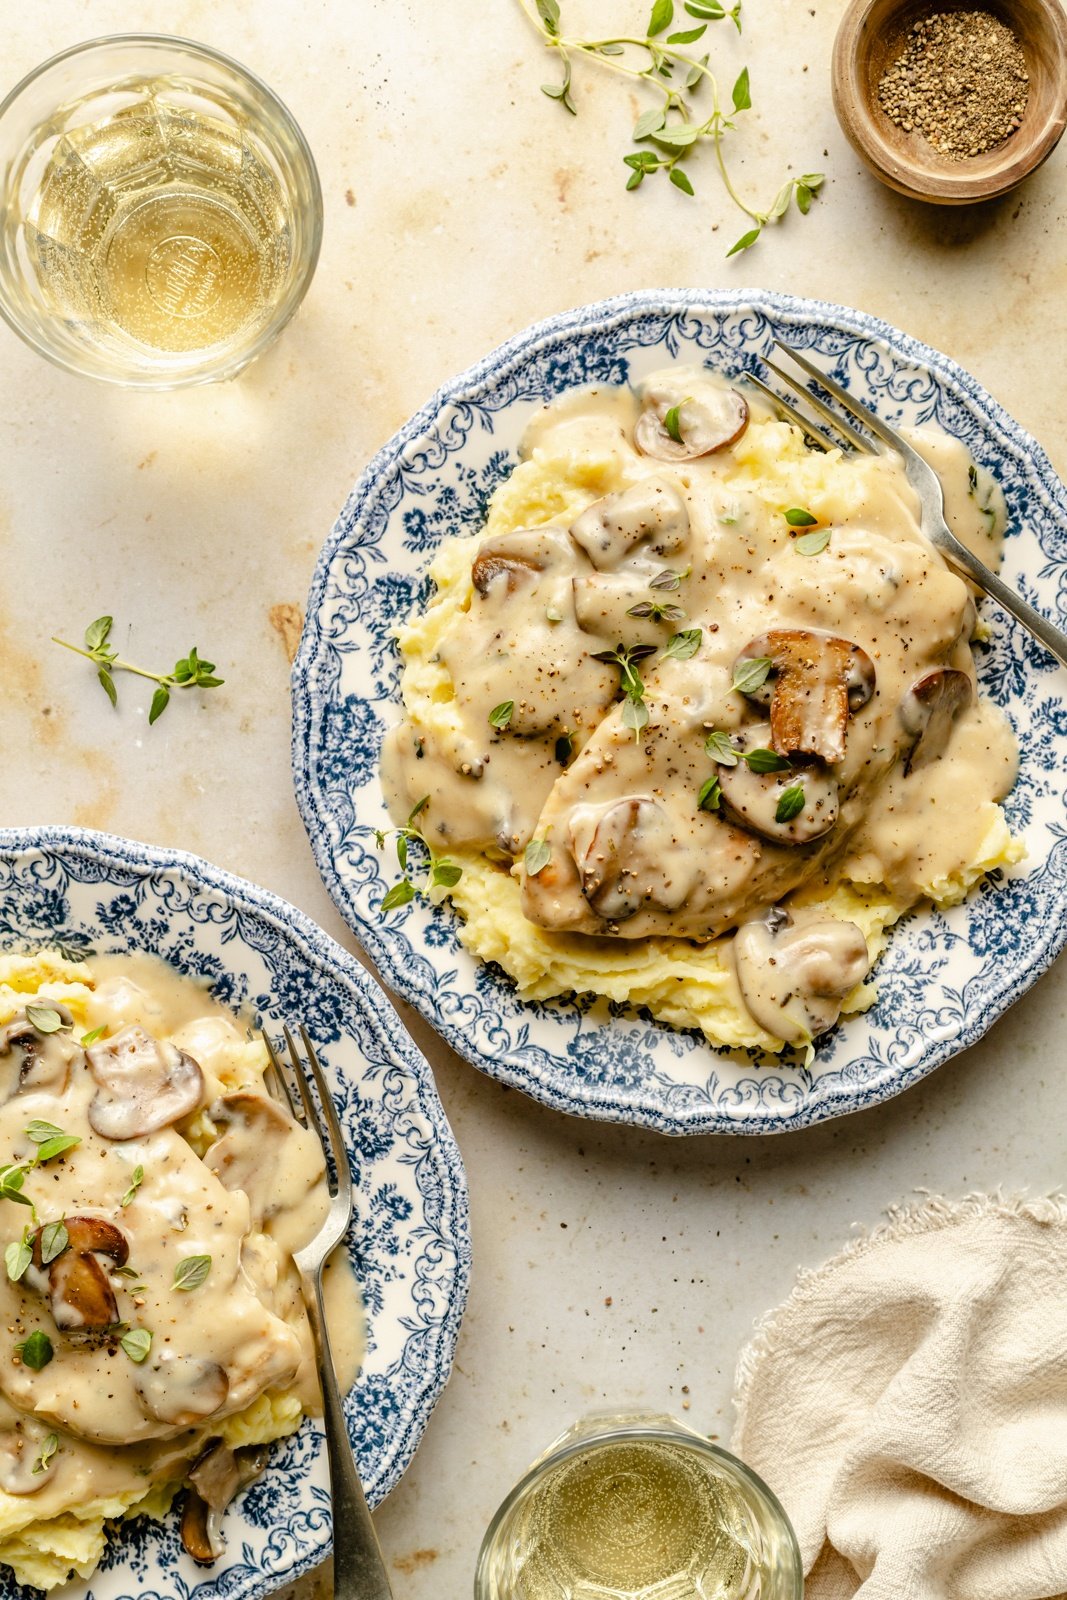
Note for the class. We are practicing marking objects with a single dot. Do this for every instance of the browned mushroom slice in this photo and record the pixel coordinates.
(215, 1478)
(32, 1059)
(145, 1085)
(517, 557)
(929, 710)
(79, 1294)
(182, 1390)
(23, 1466)
(75, 1284)
(709, 420)
(793, 978)
(651, 511)
(804, 797)
(628, 856)
(815, 681)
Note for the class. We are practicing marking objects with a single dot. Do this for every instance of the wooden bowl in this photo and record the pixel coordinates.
(871, 37)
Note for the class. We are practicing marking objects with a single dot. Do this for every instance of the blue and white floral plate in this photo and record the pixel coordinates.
(410, 1243)
(945, 977)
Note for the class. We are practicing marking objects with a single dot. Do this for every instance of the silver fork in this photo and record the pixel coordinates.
(921, 476)
(358, 1569)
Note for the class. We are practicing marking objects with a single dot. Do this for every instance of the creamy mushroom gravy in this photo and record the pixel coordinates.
(137, 1200)
(861, 691)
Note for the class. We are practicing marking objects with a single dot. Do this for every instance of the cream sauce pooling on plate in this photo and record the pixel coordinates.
(135, 1208)
(863, 724)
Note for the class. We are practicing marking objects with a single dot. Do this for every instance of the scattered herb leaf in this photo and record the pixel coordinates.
(46, 1019)
(790, 803)
(191, 1272)
(766, 761)
(54, 1240)
(18, 1256)
(710, 797)
(682, 645)
(48, 1450)
(137, 1343)
(538, 855)
(564, 749)
(811, 544)
(797, 517)
(657, 611)
(668, 578)
(671, 425)
(720, 749)
(502, 714)
(135, 1183)
(36, 1351)
(91, 1037)
(752, 674)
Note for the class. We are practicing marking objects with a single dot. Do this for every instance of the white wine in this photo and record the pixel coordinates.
(163, 224)
(632, 1520)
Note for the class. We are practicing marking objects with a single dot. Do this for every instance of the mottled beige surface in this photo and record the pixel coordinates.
(612, 1267)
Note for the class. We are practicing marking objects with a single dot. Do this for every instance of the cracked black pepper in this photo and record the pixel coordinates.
(960, 81)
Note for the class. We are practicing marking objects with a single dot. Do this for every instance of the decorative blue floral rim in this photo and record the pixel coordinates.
(946, 975)
(410, 1240)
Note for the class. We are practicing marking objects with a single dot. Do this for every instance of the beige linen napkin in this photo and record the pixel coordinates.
(908, 1404)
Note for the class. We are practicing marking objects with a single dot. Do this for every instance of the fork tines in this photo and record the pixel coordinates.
(831, 428)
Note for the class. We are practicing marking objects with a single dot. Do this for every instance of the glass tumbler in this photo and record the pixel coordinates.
(639, 1508)
(160, 212)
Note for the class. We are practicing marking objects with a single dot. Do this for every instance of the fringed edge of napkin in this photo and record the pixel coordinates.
(929, 1215)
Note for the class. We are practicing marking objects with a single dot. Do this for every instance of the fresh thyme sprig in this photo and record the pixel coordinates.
(671, 129)
(190, 672)
(442, 874)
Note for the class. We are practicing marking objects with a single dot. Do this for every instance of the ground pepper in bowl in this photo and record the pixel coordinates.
(960, 81)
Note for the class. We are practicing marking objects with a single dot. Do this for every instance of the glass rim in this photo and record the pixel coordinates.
(679, 1434)
(236, 363)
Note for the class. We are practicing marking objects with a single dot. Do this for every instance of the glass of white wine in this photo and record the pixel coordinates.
(160, 212)
(639, 1508)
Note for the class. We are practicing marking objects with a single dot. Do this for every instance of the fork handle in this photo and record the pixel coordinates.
(1050, 636)
(358, 1568)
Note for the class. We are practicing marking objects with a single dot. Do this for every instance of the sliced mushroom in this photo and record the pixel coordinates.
(929, 711)
(36, 1060)
(518, 557)
(651, 511)
(22, 1467)
(816, 680)
(753, 798)
(77, 1287)
(182, 1390)
(628, 858)
(145, 1085)
(707, 419)
(260, 1152)
(793, 978)
(80, 1295)
(215, 1478)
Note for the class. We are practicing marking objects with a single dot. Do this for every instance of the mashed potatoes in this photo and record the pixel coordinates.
(515, 728)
